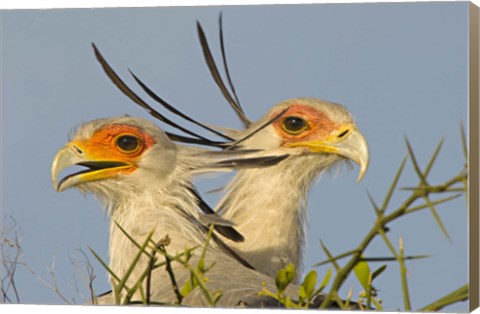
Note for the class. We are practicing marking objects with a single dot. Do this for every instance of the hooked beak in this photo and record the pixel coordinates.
(72, 155)
(348, 142)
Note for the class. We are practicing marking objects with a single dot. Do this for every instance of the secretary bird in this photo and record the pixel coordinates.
(315, 134)
(144, 181)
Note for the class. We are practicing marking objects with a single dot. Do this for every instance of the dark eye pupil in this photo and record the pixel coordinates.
(127, 143)
(294, 124)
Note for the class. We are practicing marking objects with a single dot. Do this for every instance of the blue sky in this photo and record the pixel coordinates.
(400, 68)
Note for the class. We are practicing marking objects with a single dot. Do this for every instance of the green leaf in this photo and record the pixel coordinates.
(308, 284)
(189, 285)
(290, 273)
(284, 277)
(362, 271)
(377, 272)
(326, 279)
(186, 289)
(301, 294)
(201, 265)
(217, 296)
(281, 280)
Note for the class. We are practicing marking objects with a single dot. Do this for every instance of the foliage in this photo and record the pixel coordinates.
(424, 191)
(124, 294)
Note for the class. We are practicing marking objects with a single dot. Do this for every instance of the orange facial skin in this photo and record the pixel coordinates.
(318, 124)
(103, 146)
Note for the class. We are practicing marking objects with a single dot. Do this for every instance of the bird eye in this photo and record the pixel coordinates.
(127, 143)
(294, 125)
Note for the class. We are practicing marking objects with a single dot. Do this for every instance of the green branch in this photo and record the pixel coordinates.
(461, 294)
(423, 191)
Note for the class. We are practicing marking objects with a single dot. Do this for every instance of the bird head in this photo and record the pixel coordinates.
(117, 155)
(313, 126)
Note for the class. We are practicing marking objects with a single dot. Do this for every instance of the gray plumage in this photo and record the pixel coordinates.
(268, 205)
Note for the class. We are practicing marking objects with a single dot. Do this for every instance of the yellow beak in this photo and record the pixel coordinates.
(72, 155)
(348, 142)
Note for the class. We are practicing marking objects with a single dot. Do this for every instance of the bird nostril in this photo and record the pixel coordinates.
(78, 150)
(343, 134)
